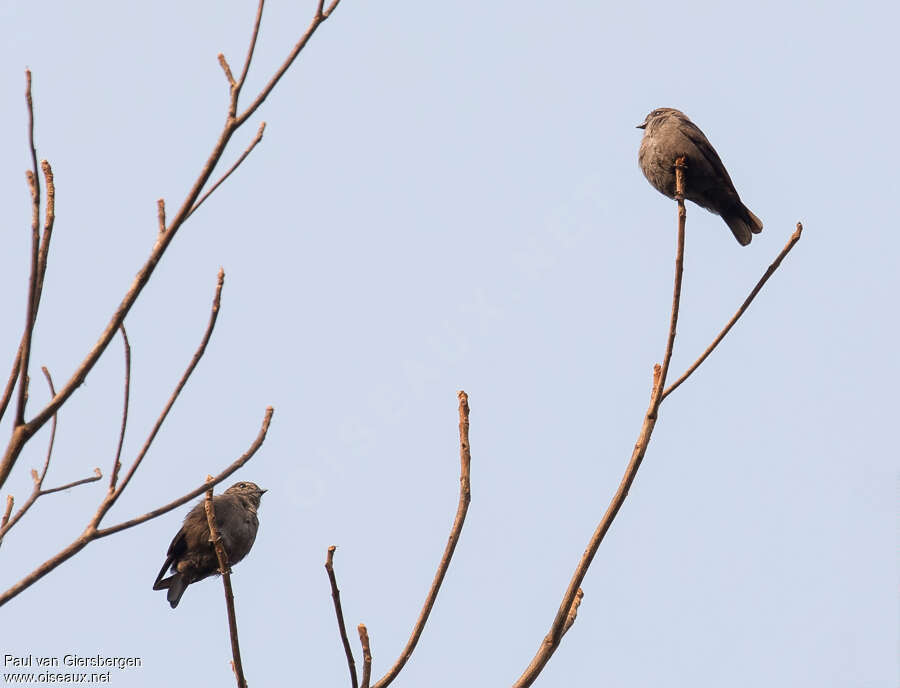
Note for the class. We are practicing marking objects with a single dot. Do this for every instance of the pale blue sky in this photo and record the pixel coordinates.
(448, 197)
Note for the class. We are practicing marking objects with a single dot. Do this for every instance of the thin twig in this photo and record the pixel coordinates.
(795, 237)
(256, 140)
(367, 655)
(10, 500)
(75, 483)
(11, 382)
(117, 464)
(558, 628)
(339, 612)
(49, 220)
(34, 186)
(465, 496)
(92, 532)
(161, 214)
(250, 48)
(227, 69)
(225, 570)
(49, 379)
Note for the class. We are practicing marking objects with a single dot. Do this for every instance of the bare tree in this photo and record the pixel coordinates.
(24, 428)
(16, 392)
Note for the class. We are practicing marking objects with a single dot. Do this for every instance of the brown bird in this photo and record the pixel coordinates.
(193, 557)
(669, 134)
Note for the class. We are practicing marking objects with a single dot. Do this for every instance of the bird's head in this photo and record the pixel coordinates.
(250, 491)
(660, 115)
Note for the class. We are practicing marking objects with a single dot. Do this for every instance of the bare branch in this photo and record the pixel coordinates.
(558, 628)
(465, 459)
(75, 483)
(91, 532)
(366, 650)
(117, 464)
(795, 237)
(339, 612)
(225, 570)
(256, 140)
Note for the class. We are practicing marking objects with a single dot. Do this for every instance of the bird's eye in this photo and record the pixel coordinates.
(242, 485)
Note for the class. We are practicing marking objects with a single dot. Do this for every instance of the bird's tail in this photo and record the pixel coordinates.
(177, 586)
(743, 224)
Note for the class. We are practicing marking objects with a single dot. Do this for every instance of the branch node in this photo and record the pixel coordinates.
(339, 613)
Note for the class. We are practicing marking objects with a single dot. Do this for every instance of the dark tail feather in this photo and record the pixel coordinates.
(177, 586)
(743, 224)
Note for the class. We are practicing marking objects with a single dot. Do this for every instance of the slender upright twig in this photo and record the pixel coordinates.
(161, 214)
(34, 186)
(465, 460)
(117, 463)
(572, 598)
(250, 48)
(339, 612)
(49, 220)
(225, 570)
(367, 655)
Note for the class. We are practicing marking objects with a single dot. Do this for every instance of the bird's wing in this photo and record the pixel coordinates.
(176, 549)
(695, 136)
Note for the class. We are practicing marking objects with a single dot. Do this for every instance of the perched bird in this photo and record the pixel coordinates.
(192, 556)
(669, 134)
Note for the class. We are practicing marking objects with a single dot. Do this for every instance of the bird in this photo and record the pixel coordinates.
(669, 134)
(192, 556)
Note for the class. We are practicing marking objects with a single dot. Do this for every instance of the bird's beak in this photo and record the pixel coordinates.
(262, 491)
(642, 125)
